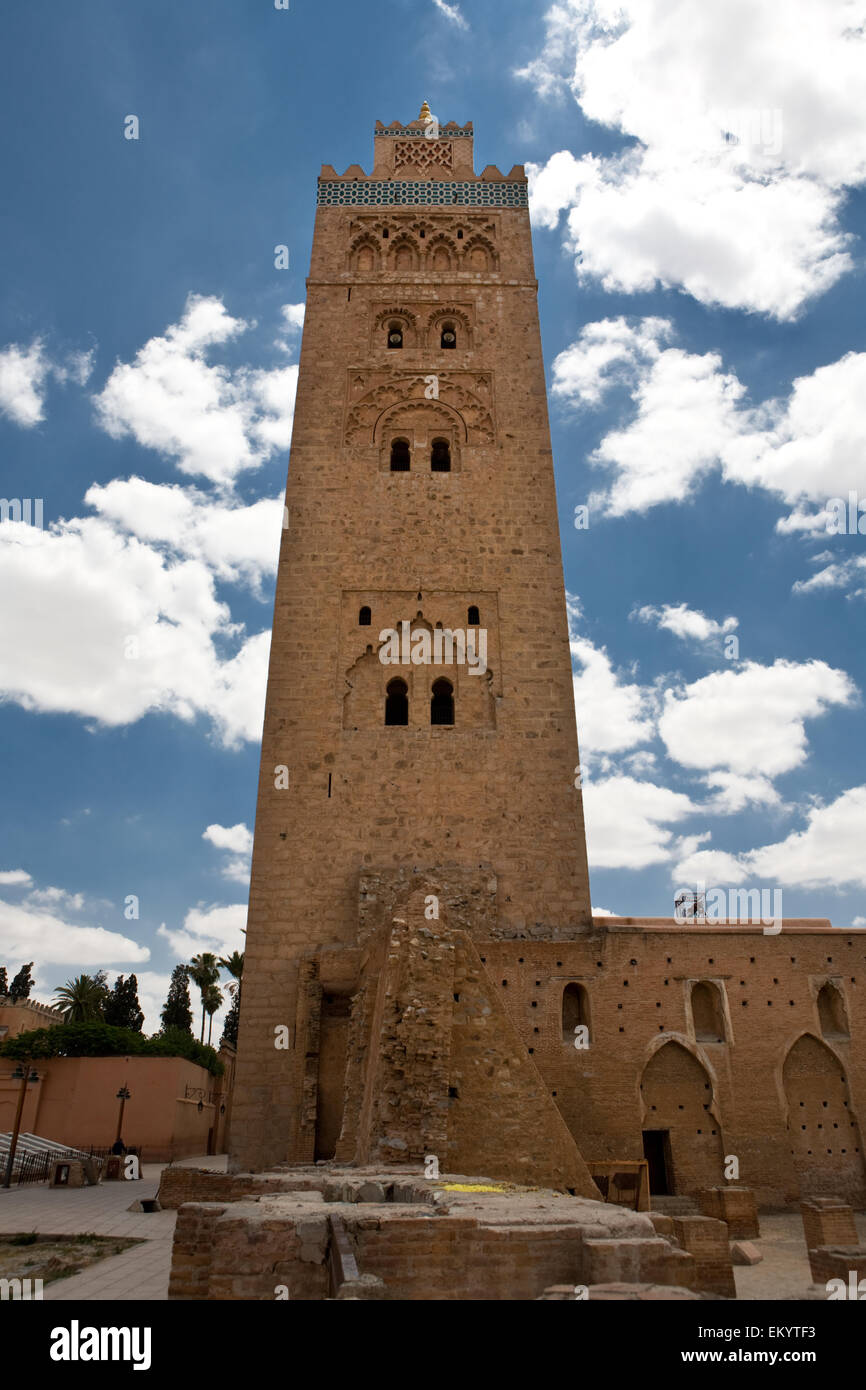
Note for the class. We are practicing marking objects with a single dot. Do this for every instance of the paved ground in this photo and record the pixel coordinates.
(784, 1271)
(140, 1273)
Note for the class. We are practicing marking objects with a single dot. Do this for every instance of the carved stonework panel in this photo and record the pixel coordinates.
(422, 155)
(371, 393)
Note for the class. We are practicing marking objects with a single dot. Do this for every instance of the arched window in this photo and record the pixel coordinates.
(707, 1013)
(397, 702)
(395, 335)
(575, 1011)
(364, 617)
(399, 456)
(449, 336)
(384, 231)
(442, 702)
(440, 456)
(460, 234)
(831, 1012)
(473, 618)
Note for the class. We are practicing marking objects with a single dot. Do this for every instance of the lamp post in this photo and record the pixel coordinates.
(19, 1074)
(123, 1096)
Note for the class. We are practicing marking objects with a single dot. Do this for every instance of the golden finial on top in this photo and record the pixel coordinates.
(426, 114)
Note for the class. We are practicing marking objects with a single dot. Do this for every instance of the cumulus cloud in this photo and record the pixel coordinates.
(607, 353)
(24, 373)
(751, 720)
(687, 623)
(691, 417)
(237, 842)
(14, 877)
(237, 543)
(628, 822)
(827, 853)
(61, 942)
(843, 574)
(109, 628)
(612, 715)
(213, 928)
(745, 128)
(214, 421)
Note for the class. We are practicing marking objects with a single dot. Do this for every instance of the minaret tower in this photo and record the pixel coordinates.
(421, 526)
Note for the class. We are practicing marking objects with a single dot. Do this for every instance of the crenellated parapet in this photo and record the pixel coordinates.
(423, 162)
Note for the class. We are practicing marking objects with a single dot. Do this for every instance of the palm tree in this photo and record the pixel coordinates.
(234, 964)
(82, 999)
(204, 972)
(211, 1000)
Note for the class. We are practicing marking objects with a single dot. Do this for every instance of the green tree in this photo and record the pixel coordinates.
(122, 1009)
(211, 1000)
(204, 972)
(234, 964)
(176, 1011)
(100, 1040)
(82, 999)
(232, 1020)
(4, 983)
(22, 983)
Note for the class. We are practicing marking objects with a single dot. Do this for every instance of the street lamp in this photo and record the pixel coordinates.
(123, 1096)
(19, 1074)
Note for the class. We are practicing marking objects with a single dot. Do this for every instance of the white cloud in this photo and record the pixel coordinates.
(214, 421)
(713, 867)
(215, 928)
(83, 593)
(750, 720)
(828, 853)
(12, 877)
(844, 574)
(56, 898)
(451, 12)
(611, 716)
(691, 417)
(607, 353)
(293, 316)
(687, 623)
(237, 543)
(237, 841)
(628, 822)
(27, 930)
(748, 126)
(735, 791)
(24, 373)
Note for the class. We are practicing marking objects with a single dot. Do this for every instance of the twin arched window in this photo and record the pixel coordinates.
(397, 702)
(440, 456)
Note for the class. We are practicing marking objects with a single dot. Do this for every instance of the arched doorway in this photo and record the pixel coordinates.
(682, 1142)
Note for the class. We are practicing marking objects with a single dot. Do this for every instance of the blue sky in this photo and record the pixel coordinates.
(697, 194)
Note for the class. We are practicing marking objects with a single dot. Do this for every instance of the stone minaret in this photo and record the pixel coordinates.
(420, 501)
